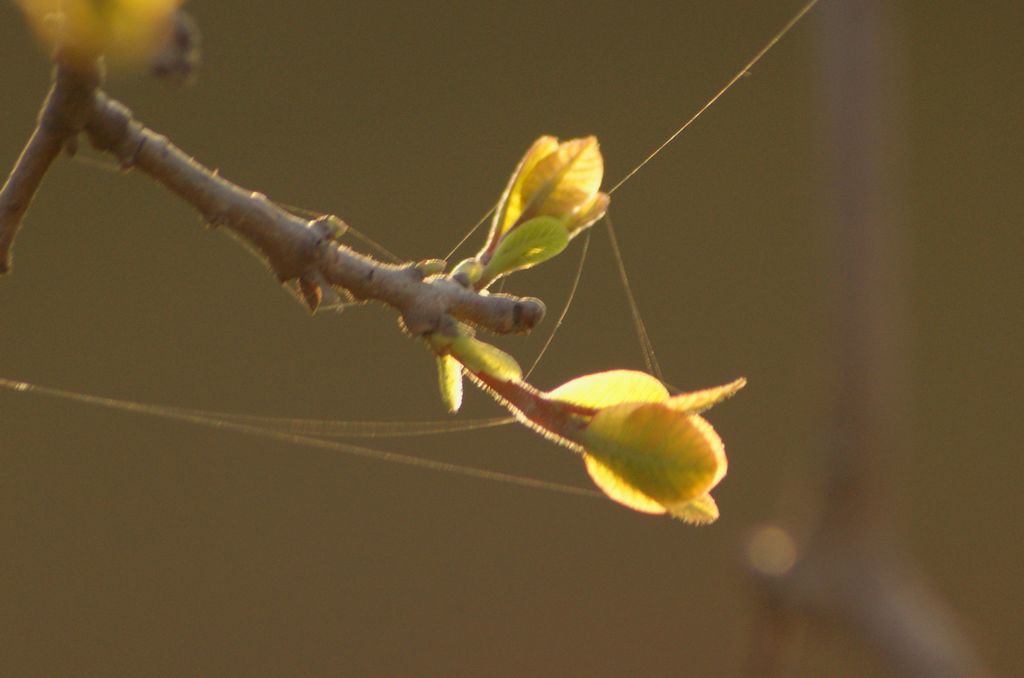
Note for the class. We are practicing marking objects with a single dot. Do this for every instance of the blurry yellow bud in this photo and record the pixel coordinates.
(560, 180)
(126, 31)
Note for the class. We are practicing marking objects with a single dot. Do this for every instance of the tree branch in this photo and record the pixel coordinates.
(296, 249)
(63, 115)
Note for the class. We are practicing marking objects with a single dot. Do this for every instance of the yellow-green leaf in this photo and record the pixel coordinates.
(701, 511)
(565, 180)
(618, 489)
(665, 455)
(588, 213)
(553, 179)
(481, 357)
(696, 402)
(529, 244)
(449, 378)
(613, 387)
(510, 206)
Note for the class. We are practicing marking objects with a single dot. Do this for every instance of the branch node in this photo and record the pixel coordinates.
(305, 255)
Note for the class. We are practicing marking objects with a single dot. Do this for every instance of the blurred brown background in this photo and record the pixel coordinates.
(136, 545)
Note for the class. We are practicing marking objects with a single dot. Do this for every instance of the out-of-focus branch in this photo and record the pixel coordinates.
(63, 115)
(852, 573)
(296, 249)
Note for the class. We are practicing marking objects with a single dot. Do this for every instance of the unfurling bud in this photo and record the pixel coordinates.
(551, 197)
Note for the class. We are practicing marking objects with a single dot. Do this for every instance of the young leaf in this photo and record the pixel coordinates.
(664, 455)
(529, 244)
(449, 378)
(511, 204)
(613, 387)
(565, 180)
(587, 214)
(478, 356)
(701, 511)
(618, 489)
(553, 179)
(696, 402)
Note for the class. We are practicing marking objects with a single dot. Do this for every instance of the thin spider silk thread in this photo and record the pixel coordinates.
(309, 441)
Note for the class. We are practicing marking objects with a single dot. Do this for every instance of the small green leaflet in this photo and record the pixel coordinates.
(529, 244)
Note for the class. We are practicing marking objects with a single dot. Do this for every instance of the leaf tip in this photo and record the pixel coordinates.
(701, 511)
